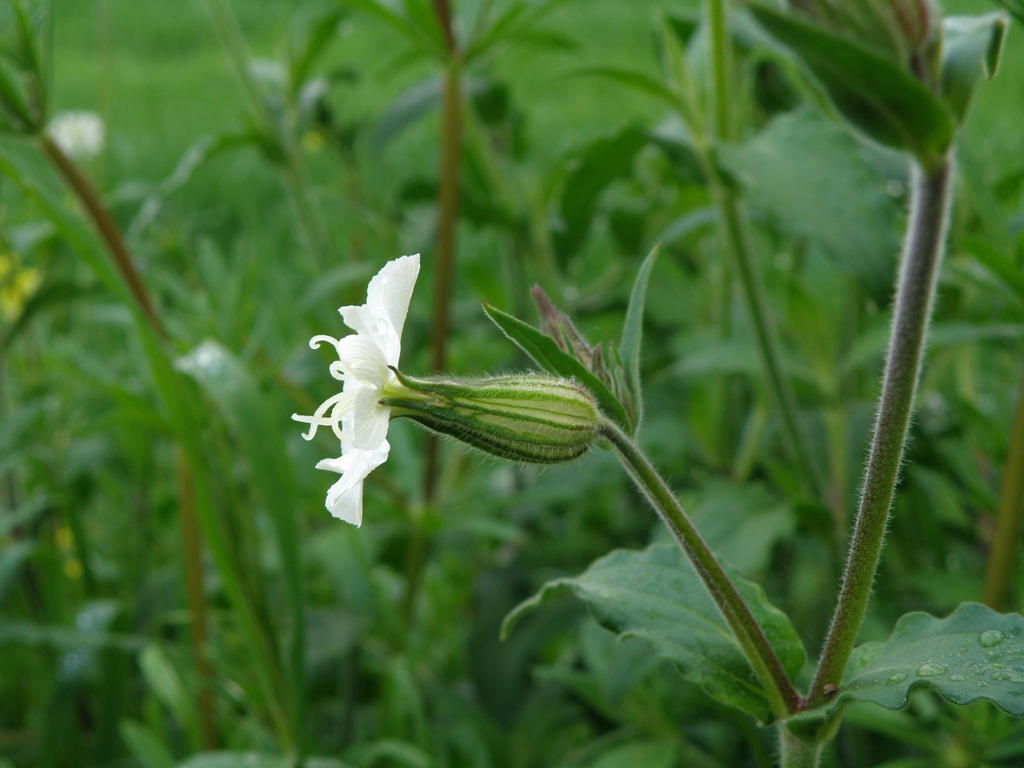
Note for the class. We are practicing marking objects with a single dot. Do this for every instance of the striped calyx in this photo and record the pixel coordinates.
(522, 417)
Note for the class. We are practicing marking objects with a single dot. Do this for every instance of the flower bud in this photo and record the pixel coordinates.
(905, 31)
(529, 417)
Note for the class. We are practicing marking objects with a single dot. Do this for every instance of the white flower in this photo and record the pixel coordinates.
(364, 359)
(79, 134)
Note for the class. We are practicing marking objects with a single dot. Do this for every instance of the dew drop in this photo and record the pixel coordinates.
(931, 669)
(896, 678)
(959, 678)
(990, 638)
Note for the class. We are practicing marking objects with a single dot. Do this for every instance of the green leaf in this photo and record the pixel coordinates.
(651, 753)
(166, 684)
(15, 115)
(1016, 7)
(145, 746)
(545, 352)
(997, 262)
(655, 595)
(637, 81)
(974, 653)
(400, 23)
(874, 93)
(633, 329)
(971, 46)
(809, 178)
(255, 760)
(514, 23)
(309, 35)
(236, 395)
(596, 166)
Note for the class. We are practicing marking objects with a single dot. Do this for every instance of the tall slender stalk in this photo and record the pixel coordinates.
(105, 227)
(449, 168)
(915, 289)
(449, 164)
(1002, 559)
(736, 239)
(191, 541)
(783, 698)
(191, 547)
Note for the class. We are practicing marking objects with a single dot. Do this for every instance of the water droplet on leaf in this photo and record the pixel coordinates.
(931, 669)
(990, 638)
(896, 678)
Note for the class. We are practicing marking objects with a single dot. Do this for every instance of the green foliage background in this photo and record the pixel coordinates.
(568, 179)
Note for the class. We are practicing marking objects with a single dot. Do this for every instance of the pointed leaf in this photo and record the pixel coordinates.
(637, 81)
(398, 22)
(971, 46)
(601, 162)
(974, 653)
(871, 91)
(547, 355)
(633, 329)
(236, 395)
(1016, 7)
(655, 595)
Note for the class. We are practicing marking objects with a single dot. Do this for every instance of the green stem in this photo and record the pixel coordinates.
(1002, 563)
(737, 244)
(922, 252)
(110, 234)
(721, 64)
(447, 215)
(191, 545)
(449, 168)
(795, 753)
(783, 698)
(105, 227)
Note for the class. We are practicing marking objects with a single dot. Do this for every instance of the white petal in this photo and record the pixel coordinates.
(382, 317)
(369, 420)
(391, 290)
(345, 497)
(363, 360)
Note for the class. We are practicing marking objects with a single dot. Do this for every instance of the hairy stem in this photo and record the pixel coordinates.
(1002, 562)
(795, 753)
(783, 698)
(915, 289)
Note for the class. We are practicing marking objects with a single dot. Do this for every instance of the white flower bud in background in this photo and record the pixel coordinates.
(79, 134)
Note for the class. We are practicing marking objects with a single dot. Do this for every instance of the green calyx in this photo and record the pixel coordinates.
(522, 417)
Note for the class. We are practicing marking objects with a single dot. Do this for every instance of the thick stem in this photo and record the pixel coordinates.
(922, 252)
(783, 698)
(737, 243)
(1002, 560)
(794, 753)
